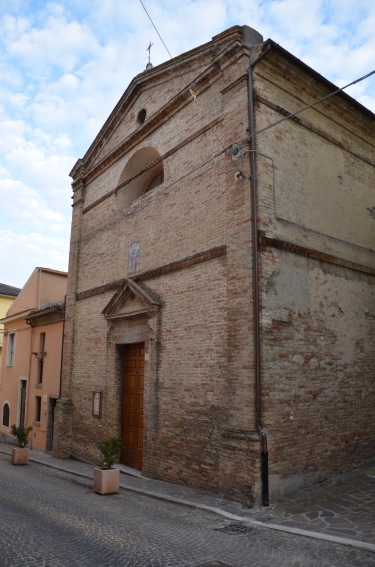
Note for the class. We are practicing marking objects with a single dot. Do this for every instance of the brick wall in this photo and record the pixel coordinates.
(318, 370)
(317, 285)
(199, 416)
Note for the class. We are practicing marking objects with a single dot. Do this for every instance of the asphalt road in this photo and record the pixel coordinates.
(52, 519)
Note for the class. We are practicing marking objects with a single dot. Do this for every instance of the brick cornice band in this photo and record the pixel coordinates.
(311, 253)
(175, 266)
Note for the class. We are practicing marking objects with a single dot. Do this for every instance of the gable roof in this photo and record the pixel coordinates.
(194, 67)
(9, 290)
(43, 286)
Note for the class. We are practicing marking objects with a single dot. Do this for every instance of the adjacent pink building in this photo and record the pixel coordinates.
(31, 362)
(8, 294)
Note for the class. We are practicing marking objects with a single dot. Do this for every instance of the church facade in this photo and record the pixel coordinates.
(220, 307)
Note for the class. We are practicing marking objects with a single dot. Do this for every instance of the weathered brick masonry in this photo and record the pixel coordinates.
(316, 185)
(188, 295)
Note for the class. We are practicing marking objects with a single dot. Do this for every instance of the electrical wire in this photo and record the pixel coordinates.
(161, 39)
(155, 195)
(224, 149)
(293, 114)
(193, 94)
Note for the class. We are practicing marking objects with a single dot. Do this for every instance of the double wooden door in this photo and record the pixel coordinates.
(132, 406)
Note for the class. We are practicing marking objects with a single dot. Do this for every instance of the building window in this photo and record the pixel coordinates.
(143, 172)
(6, 415)
(42, 344)
(38, 408)
(11, 348)
(155, 181)
(141, 116)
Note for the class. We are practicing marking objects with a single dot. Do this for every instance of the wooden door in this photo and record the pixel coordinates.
(132, 406)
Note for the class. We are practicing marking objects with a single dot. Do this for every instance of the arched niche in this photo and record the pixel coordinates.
(147, 181)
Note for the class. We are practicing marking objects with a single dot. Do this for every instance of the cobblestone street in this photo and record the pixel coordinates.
(50, 518)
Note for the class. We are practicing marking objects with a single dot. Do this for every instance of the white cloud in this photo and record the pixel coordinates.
(12, 134)
(37, 160)
(295, 19)
(24, 252)
(58, 43)
(65, 64)
(26, 209)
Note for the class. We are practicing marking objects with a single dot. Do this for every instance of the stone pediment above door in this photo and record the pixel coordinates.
(132, 301)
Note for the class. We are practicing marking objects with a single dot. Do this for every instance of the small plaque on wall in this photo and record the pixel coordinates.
(97, 403)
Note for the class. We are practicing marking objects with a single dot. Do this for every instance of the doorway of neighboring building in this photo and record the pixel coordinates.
(22, 402)
(50, 422)
(132, 406)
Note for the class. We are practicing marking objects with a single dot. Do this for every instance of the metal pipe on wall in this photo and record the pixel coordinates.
(256, 292)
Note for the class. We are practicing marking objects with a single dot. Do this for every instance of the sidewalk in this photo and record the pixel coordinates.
(341, 510)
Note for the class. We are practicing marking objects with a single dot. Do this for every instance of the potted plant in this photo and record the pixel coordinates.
(20, 454)
(106, 479)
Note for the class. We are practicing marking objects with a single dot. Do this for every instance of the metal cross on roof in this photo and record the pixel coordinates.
(149, 51)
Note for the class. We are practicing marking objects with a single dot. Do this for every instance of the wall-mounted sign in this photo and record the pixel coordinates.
(97, 403)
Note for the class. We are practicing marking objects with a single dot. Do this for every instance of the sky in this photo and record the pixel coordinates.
(65, 64)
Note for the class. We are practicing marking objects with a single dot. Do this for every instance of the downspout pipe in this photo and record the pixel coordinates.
(62, 349)
(256, 292)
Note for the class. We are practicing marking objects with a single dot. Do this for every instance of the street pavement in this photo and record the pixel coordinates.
(330, 524)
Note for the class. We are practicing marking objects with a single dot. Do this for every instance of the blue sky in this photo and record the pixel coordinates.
(65, 64)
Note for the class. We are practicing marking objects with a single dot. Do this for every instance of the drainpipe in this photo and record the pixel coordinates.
(62, 349)
(26, 414)
(256, 293)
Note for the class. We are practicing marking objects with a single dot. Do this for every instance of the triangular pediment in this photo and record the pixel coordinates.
(149, 90)
(160, 91)
(132, 301)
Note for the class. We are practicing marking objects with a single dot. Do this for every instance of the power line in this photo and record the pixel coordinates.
(274, 123)
(288, 117)
(312, 104)
(193, 94)
(192, 171)
(225, 149)
(162, 190)
(161, 39)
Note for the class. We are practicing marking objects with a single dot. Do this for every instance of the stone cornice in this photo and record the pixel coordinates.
(182, 98)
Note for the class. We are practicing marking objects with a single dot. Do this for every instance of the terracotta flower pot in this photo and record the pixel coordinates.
(20, 456)
(106, 481)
